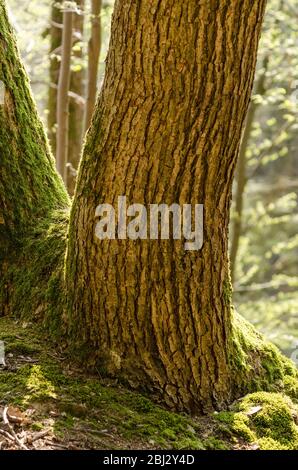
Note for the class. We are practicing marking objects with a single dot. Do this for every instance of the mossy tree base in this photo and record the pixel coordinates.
(31, 282)
(89, 412)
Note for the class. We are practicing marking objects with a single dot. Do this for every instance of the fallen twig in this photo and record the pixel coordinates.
(40, 435)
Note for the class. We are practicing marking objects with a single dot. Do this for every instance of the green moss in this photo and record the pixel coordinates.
(33, 199)
(266, 419)
(30, 185)
(266, 443)
(257, 364)
(290, 386)
(37, 426)
(34, 278)
(275, 418)
(227, 292)
(83, 402)
(20, 347)
(213, 443)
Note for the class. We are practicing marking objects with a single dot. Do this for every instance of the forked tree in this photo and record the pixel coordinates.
(167, 129)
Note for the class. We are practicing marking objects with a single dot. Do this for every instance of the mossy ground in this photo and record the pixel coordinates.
(85, 411)
(90, 412)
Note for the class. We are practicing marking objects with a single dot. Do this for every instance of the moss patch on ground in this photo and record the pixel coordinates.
(84, 411)
(267, 420)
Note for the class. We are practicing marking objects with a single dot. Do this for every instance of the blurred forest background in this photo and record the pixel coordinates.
(263, 232)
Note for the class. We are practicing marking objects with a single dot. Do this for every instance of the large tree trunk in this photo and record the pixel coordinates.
(30, 189)
(167, 129)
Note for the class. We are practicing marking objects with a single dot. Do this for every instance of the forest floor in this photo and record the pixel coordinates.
(46, 402)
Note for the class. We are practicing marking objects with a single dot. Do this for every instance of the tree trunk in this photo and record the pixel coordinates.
(63, 95)
(76, 101)
(76, 104)
(31, 191)
(55, 46)
(94, 47)
(167, 129)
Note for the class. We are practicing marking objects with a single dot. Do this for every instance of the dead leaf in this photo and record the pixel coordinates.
(254, 410)
(15, 415)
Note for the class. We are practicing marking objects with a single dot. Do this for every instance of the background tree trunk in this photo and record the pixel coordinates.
(94, 48)
(76, 100)
(63, 95)
(76, 103)
(167, 129)
(55, 51)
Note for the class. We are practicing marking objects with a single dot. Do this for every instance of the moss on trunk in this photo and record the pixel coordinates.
(31, 191)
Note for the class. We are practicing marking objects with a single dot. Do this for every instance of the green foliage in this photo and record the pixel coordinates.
(266, 278)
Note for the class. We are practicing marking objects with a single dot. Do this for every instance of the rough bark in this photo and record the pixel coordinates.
(94, 47)
(167, 129)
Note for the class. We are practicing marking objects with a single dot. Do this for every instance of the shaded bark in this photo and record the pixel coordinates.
(167, 129)
(94, 48)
